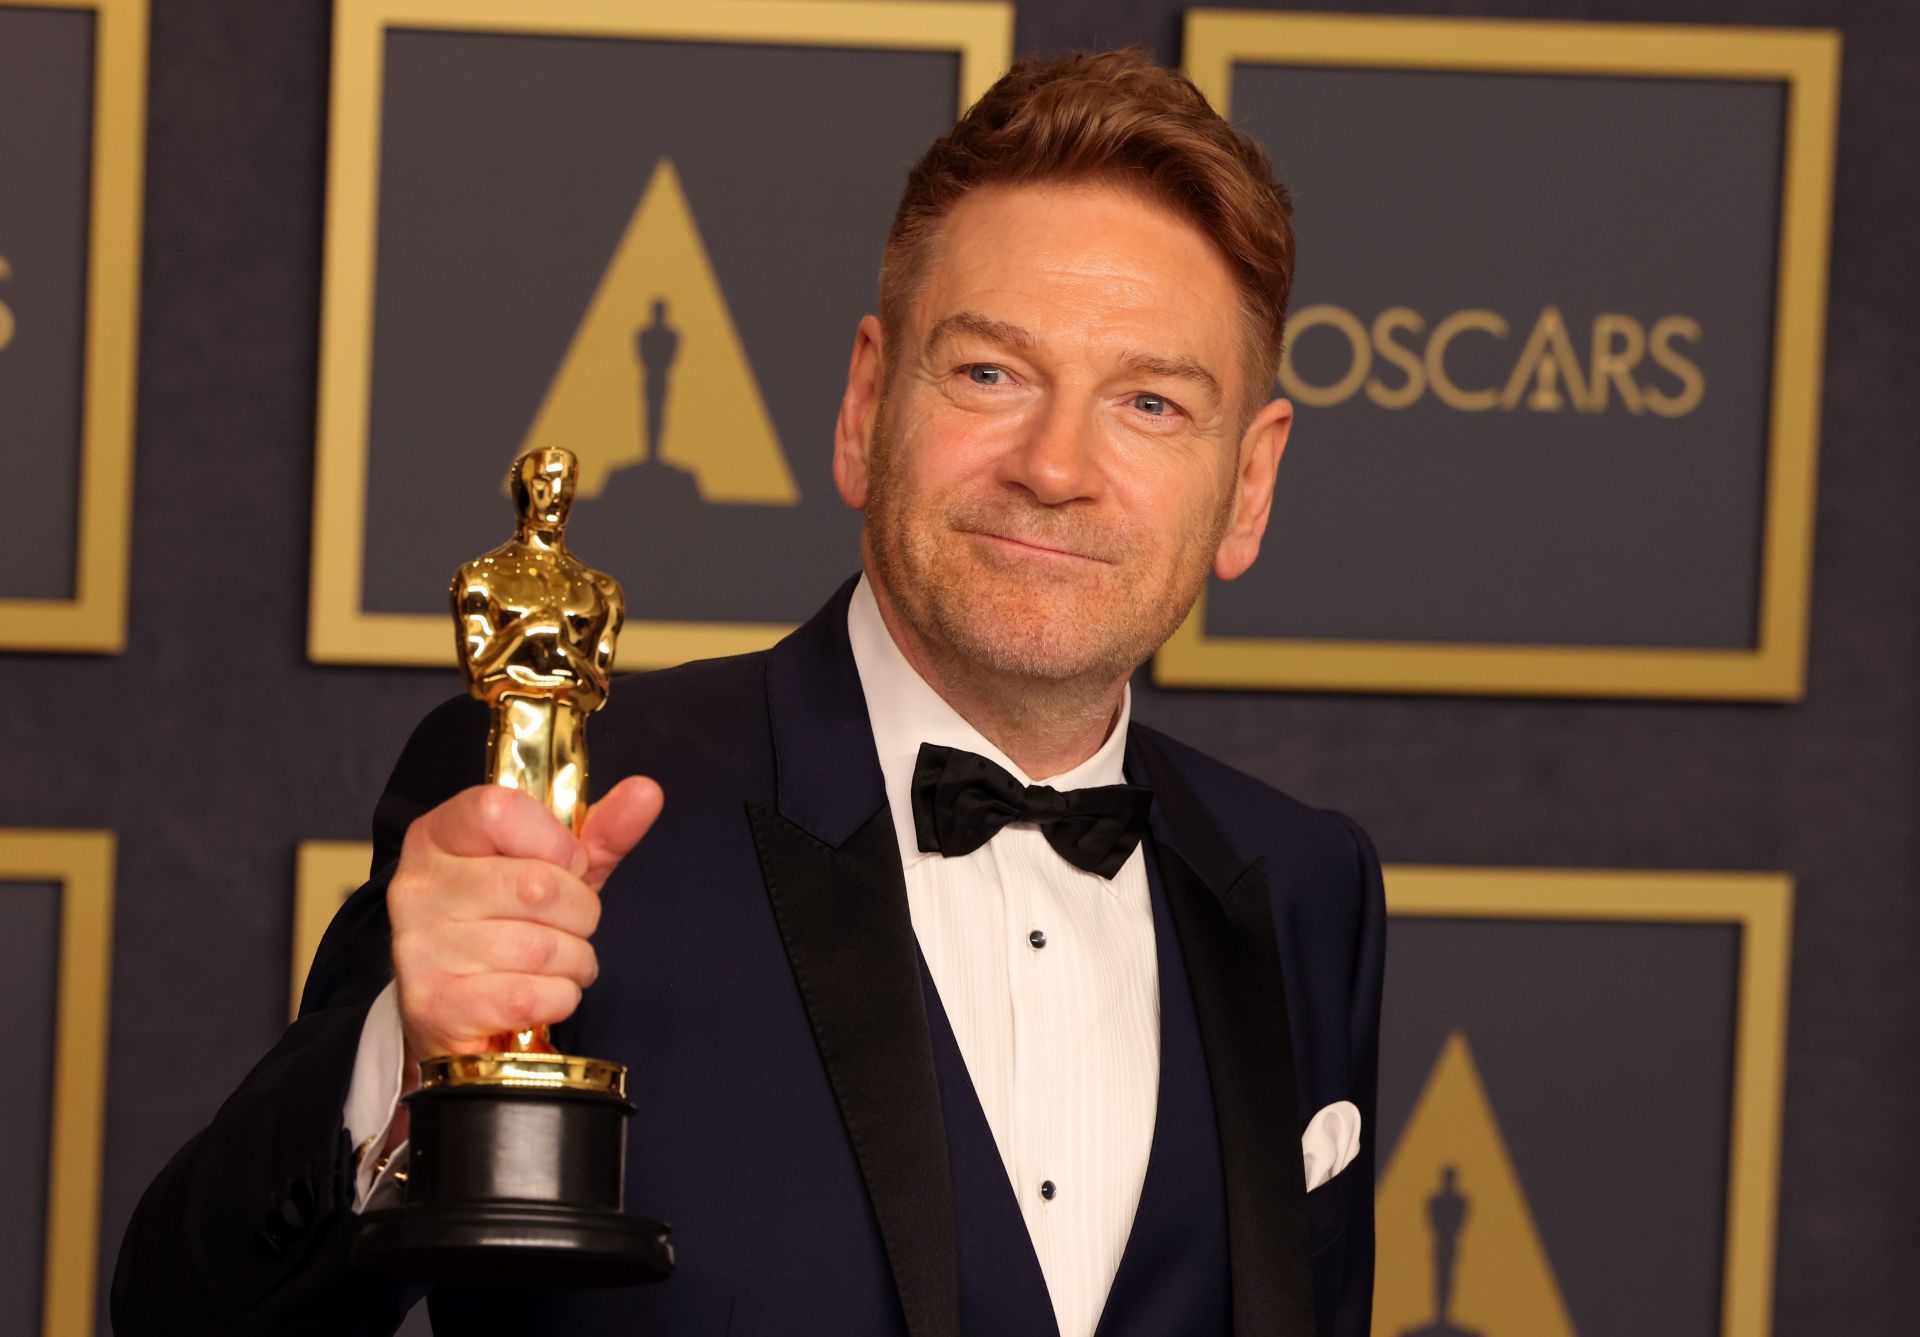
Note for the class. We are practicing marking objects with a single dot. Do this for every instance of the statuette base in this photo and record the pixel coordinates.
(515, 1176)
(520, 1244)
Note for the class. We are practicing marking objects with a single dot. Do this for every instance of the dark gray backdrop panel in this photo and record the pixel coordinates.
(511, 167)
(29, 977)
(209, 791)
(46, 154)
(1442, 192)
(1606, 1050)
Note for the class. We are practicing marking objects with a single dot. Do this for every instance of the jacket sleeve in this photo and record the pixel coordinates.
(248, 1228)
(1350, 1313)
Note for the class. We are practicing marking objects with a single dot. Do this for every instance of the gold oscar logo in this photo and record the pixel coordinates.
(1397, 360)
(6, 312)
(1459, 1254)
(655, 374)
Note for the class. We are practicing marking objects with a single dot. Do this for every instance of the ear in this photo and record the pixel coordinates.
(1261, 446)
(853, 427)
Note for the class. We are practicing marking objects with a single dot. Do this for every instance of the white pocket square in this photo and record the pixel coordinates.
(1331, 1141)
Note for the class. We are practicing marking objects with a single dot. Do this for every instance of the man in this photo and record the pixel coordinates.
(916, 1047)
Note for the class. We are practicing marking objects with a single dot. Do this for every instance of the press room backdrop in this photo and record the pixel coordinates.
(1590, 591)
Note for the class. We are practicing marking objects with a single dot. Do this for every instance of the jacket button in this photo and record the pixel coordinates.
(1047, 1189)
(1036, 940)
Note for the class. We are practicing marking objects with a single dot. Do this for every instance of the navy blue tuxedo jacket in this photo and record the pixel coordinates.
(800, 1122)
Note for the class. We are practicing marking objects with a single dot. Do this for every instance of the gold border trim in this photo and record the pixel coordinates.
(81, 862)
(95, 619)
(1807, 61)
(325, 873)
(339, 630)
(1761, 906)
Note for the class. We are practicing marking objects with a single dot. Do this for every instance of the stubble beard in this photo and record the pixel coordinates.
(1016, 621)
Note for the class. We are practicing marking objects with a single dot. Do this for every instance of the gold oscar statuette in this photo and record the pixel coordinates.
(517, 1156)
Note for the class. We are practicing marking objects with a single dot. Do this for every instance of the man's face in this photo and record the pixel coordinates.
(1056, 457)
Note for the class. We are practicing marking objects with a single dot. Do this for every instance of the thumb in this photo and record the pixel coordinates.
(615, 824)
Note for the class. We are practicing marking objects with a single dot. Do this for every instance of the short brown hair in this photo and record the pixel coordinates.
(1111, 116)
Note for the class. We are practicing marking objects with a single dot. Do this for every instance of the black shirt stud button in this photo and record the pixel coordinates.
(1046, 1189)
(1037, 940)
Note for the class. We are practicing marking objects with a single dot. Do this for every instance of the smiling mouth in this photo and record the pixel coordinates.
(1040, 549)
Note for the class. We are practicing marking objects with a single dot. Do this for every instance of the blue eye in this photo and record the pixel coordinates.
(985, 373)
(1152, 405)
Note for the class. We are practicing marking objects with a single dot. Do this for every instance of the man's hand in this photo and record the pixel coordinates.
(492, 905)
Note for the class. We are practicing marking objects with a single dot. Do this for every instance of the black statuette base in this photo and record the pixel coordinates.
(509, 1186)
(521, 1244)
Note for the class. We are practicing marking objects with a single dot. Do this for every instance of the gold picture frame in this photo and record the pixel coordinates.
(81, 863)
(1760, 905)
(1807, 61)
(94, 620)
(326, 872)
(340, 631)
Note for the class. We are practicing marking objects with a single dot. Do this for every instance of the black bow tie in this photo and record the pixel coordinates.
(960, 800)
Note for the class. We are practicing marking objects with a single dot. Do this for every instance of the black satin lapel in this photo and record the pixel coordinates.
(1234, 967)
(843, 916)
(829, 778)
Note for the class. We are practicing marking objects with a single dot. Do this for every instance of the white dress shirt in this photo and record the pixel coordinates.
(1062, 1040)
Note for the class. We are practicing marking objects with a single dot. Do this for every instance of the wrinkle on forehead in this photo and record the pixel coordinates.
(1089, 266)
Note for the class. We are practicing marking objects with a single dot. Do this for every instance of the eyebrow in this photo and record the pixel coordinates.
(1009, 335)
(1178, 368)
(981, 327)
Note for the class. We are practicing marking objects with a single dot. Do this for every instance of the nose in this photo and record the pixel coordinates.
(1057, 459)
